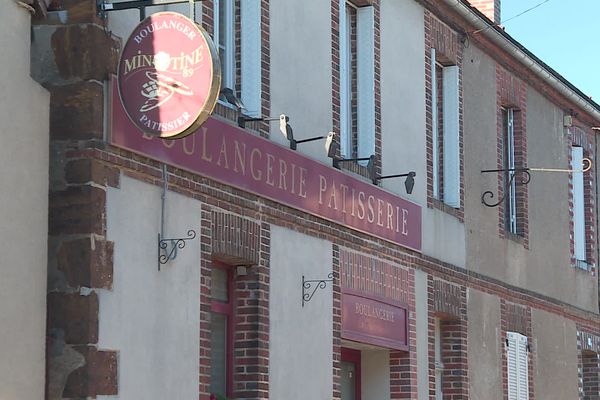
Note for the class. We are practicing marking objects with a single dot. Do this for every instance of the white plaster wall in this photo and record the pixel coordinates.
(375, 374)
(422, 334)
(152, 318)
(300, 71)
(485, 346)
(555, 346)
(24, 110)
(300, 339)
(403, 124)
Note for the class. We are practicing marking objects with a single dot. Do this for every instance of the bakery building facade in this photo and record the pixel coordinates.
(435, 239)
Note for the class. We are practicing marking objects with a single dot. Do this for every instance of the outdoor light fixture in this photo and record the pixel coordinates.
(288, 133)
(333, 147)
(525, 171)
(409, 182)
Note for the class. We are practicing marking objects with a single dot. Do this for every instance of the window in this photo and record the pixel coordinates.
(248, 56)
(357, 80)
(225, 40)
(517, 366)
(509, 159)
(578, 205)
(446, 130)
(221, 337)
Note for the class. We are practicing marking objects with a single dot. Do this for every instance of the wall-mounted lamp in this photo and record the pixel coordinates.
(333, 148)
(288, 133)
(409, 182)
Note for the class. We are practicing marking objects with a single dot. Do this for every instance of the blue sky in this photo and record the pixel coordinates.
(565, 34)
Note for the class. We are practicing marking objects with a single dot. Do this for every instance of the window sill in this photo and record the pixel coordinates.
(515, 238)
(583, 265)
(230, 114)
(440, 205)
(356, 168)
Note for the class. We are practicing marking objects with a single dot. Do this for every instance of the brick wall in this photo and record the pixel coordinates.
(490, 8)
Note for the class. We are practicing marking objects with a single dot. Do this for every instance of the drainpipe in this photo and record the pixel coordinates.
(518, 51)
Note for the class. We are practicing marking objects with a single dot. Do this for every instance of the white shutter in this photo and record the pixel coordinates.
(451, 140)
(517, 366)
(365, 18)
(578, 203)
(434, 123)
(250, 56)
(523, 370)
(345, 91)
(511, 365)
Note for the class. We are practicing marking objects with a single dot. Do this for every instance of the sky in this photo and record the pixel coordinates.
(565, 34)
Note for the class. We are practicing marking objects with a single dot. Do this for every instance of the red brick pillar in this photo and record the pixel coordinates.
(72, 56)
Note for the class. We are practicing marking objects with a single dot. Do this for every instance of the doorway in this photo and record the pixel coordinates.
(350, 371)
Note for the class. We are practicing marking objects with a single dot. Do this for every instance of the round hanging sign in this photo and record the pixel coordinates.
(169, 75)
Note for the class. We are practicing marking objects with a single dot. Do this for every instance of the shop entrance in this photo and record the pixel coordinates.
(350, 370)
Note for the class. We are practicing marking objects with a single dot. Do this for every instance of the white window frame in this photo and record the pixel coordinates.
(435, 130)
(226, 43)
(345, 80)
(451, 82)
(250, 54)
(365, 73)
(450, 132)
(579, 239)
(511, 196)
(517, 366)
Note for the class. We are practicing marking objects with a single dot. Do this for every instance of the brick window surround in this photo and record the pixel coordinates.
(516, 318)
(582, 137)
(449, 51)
(336, 80)
(236, 241)
(588, 347)
(229, 112)
(373, 276)
(511, 93)
(447, 303)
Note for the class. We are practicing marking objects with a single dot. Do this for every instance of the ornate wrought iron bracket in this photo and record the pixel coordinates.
(512, 172)
(486, 197)
(309, 287)
(164, 254)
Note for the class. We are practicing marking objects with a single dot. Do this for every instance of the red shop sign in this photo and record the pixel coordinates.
(375, 322)
(169, 76)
